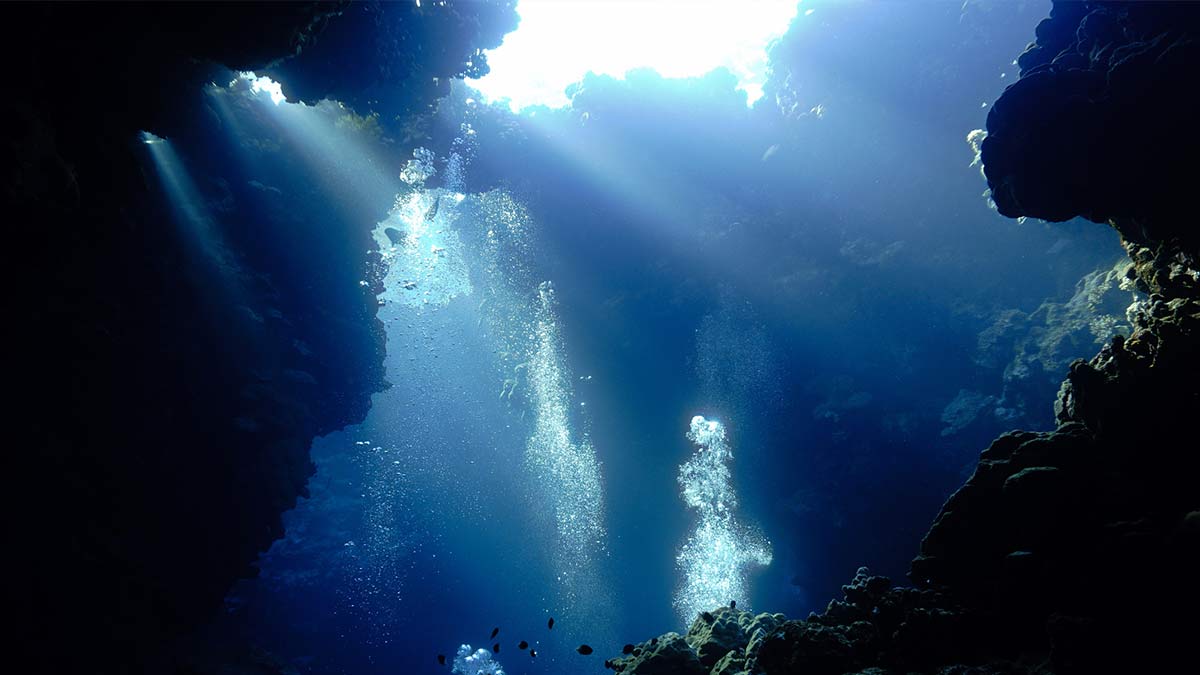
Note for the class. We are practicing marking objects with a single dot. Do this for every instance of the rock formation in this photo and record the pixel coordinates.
(163, 427)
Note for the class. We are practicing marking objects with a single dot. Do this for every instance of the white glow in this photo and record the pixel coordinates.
(558, 42)
(265, 84)
(718, 553)
(425, 258)
(478, 662)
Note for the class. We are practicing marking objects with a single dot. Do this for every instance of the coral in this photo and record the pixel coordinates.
(960, 412)
(1035, 348)
(717, 642)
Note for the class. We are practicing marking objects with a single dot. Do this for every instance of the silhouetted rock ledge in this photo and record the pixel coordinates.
(164, 426)
(1075, 550)
(1096, 126)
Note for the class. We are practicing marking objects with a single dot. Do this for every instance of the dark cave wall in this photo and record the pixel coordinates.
(166, 404)
(1113, 84)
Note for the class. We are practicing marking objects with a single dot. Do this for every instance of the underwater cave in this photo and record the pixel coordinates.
(490, 337)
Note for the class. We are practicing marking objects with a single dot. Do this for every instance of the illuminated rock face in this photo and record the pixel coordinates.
(718, 553)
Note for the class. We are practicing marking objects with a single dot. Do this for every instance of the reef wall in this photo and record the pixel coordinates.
(1071, 551)
(164, 420)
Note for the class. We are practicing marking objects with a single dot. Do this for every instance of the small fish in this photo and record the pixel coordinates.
(495, 631)
(496, 648)
(733, 604)
(550, 624)
(442, 659)
(627, 649)
(584, 649)
(523, 645)
(532, 653)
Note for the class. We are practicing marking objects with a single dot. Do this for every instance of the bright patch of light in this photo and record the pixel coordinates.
(191, 210)
(478, 662)
(425, 258)
(265, 84)
(558, 42)
(718, 553)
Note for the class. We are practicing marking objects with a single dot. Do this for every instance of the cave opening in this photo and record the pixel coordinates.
(498, 336)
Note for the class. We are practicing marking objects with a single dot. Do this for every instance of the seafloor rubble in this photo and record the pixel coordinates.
(1076, 550)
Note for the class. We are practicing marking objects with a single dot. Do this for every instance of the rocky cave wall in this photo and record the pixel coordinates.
(165, 425)
(1071, 551)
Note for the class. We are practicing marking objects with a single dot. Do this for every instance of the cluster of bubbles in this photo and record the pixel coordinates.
(438, 244)
(478, 662)
(380, 558)
(462, 151)
(717, 555)
(735, 360)
(424, 257)
(506, 283)
(535, 383)
(420, 168)
(566, 467)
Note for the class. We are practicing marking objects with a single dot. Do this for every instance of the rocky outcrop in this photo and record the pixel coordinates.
(717, 642)
(1071, 551)
(165, 407)
(1035, 348)
(1097, 123)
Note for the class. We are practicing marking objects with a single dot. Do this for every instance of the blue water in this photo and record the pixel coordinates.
(560, 303)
